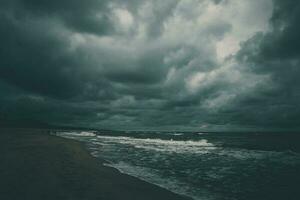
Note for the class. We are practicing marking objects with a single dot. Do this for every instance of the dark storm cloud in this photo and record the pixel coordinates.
(282, 43)
(149, 64)
(85, 16)
(276, 54)
(32, 59)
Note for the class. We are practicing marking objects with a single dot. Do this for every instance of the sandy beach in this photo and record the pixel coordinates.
(36, 165)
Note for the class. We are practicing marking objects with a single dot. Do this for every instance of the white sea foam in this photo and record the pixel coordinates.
(177, 146)
(200, 146)
(178, 134)
(79, 134)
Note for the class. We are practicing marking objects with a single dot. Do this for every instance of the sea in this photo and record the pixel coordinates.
(203, 165)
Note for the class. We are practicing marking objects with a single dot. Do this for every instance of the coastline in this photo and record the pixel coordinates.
(37, 165)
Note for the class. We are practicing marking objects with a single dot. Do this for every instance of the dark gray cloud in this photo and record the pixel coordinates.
(276, 54)
(150, 64)
(91, 16)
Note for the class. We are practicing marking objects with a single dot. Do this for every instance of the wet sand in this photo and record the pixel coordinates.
(35, 165)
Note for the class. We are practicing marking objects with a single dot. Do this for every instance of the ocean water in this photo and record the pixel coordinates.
(204, 166)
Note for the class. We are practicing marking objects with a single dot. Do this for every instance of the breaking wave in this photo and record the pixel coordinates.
(178, 146)
(78, 134)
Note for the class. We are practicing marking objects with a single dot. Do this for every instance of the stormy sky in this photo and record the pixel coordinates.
(151, 64)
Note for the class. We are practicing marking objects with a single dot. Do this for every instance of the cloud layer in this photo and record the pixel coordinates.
(192, 64)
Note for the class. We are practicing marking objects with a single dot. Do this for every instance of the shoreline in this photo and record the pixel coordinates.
(38, 165)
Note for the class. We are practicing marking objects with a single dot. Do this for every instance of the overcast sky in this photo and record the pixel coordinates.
(151, 64)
